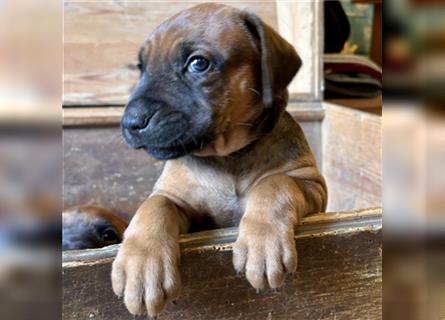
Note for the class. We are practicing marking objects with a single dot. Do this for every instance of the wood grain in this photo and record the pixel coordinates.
(339, 277)
(301, 24)
(352, 158)
(314, 225)
(101, 40)
(92, 116)
(100, 169)
(107, 115)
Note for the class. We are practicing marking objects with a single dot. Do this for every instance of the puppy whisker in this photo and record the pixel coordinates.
(241, 123)
(255, 91)
(194, 140)
(116, 137)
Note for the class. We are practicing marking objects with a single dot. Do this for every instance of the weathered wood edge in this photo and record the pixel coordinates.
(111, 115)
(94, 116)
(316, 225)
(79, 101)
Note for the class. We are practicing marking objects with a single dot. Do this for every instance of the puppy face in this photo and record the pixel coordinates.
(90, 227)
(207, 76)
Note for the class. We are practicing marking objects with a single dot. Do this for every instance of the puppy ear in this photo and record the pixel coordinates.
(279, 60)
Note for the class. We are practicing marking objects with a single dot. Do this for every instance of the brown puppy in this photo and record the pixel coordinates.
(86, 227)
(211, 100)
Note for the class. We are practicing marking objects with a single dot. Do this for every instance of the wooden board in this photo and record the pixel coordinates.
(100, 169)
(109, 115)
(371, 105)
(101, 39)
(301, 24)
(352, 158)
(339, 276)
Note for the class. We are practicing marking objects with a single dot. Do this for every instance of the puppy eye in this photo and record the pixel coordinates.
(109, 235)
(198, 65)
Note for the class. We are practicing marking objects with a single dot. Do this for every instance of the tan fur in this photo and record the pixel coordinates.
(146, 268)
(266, 182)
(235, 116)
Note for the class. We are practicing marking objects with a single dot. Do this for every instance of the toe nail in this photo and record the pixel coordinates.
(258, 290)
(275, 290)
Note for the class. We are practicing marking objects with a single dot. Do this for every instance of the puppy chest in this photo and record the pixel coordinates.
(221, 199)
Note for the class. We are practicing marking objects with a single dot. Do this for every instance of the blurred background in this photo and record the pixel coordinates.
(414, 160)
(30, 158)
(31, 57)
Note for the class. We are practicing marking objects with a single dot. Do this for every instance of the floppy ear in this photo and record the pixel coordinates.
(279, 60)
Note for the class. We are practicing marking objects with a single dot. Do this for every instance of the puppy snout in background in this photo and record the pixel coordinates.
(86, 227)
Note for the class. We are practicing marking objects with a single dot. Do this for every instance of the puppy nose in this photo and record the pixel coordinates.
(136, 116)
(135, 122)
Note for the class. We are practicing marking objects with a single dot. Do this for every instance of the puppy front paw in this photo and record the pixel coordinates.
(264, 250)
(146, 275)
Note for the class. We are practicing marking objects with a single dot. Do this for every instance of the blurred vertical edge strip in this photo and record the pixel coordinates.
(31, 62)
(414, 160)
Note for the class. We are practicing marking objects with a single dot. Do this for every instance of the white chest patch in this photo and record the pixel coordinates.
(220, 195)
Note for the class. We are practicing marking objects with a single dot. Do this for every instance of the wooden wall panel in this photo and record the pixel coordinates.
(352, 158)
(101, 39)
(301, 23)
(99, 168)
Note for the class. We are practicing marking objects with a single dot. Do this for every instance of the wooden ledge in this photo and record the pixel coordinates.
(111, 115)
(92, 116)
(316, 225)
(339, 275)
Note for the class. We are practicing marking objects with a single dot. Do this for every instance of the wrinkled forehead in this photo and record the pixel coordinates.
(216, 28)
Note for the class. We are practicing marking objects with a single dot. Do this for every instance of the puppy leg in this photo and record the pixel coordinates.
(265, 248)
(145, 272)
